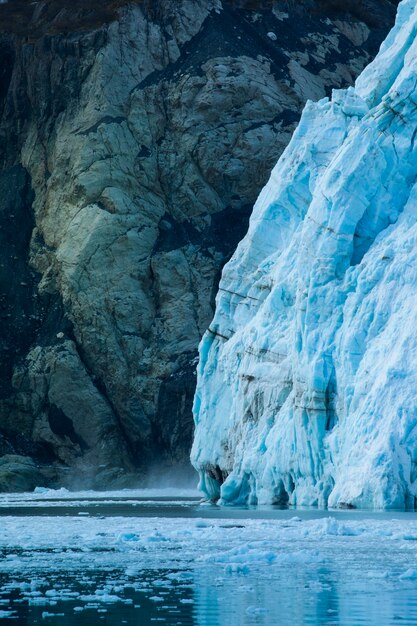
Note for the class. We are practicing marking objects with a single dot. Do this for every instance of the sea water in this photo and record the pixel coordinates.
(142, 558)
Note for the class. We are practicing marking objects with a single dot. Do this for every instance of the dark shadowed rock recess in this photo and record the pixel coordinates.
(134, 139)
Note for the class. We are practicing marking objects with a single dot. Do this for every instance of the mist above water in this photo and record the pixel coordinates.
(166, 476)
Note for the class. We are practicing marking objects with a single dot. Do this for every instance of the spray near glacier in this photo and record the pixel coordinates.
(307, 380)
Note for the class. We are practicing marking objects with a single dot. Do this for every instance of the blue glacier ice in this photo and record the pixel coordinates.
(307, 380)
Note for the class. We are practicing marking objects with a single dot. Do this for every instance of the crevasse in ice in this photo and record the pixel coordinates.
(307, 381)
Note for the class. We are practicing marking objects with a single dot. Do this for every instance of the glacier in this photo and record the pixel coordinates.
(307, 379)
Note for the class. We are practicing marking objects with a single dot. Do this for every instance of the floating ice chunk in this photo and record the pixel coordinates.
(40, 601)
(128, 537)
(156, 537)
(100, 597)
(202, 524)
(256, 610)
(331, 526)
(187, 576)
(410, 574)
(47, 490)
(237, 568)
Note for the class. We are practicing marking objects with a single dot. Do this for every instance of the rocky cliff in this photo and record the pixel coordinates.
(134, 139)
(307, 379)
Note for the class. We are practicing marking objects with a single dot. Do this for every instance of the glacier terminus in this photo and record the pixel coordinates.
(307, 377)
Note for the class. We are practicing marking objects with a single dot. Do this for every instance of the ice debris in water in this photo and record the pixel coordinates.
(307, 377)
(254, 565)
(47, 490)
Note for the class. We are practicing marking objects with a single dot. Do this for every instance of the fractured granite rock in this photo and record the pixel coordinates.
(19, 473)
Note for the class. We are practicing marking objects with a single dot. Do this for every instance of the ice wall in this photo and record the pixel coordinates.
(307, 381)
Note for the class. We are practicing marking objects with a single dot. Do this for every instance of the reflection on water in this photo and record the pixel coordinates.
(204, 598)
(302, 598)
(299, 598)
(150, 599)
(248, 568)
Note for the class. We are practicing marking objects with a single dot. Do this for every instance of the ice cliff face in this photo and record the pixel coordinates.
(308, 373)
(133, 145)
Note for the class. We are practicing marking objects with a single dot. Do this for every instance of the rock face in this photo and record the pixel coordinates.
(306, 389)
(134, 140)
